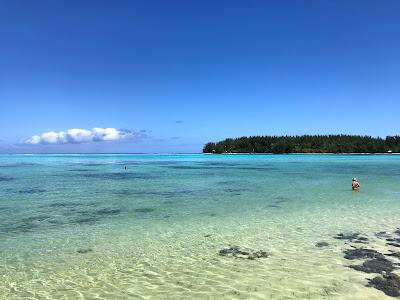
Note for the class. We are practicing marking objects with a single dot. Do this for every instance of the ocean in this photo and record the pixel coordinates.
(196, 226)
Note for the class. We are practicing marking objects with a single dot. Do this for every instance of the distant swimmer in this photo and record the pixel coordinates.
(355, 185)
(125, 167)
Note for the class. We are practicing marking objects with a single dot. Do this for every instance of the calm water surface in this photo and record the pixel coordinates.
(84, 227)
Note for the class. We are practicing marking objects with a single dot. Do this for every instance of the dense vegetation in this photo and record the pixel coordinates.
(306, 144)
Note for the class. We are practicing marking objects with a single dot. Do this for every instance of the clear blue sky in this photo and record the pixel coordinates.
(188, 72)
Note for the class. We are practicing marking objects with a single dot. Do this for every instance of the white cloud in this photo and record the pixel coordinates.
(79, 136)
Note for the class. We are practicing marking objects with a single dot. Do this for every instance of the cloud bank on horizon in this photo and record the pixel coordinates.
(80, 136)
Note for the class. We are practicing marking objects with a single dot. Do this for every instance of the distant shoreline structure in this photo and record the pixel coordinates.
(306, 144)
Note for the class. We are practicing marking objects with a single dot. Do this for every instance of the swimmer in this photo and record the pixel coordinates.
(355, 185)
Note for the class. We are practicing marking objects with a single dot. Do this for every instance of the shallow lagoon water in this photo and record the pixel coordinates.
(84, 227)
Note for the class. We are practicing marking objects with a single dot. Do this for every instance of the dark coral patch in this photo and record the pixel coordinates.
(258, 254)
(235, 251)
(396, 240)
(84, 251)
(348, 236)
(389, 284)
(375, 265)
(361, 240)
(382, 234)
(394, 254)
(359, 253)
(321, 244)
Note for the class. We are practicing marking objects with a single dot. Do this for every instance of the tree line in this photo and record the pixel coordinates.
(306, 144)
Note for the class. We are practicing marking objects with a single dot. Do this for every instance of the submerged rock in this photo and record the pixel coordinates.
(389, 284)
(347, 236)
(83, 251)
(382, 234)
(258, 254)
(362, 253)
(394, 254)
(230, 250)
(235, 251)
(362, 240)
(393, 244)
(321, 244)
(375, 265)
(390, 239)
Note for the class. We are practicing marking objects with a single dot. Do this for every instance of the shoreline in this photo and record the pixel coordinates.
(200, 153)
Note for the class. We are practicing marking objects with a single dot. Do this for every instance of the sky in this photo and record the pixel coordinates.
(169, 76)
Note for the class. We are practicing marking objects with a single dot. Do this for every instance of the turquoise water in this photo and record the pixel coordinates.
(84, 227)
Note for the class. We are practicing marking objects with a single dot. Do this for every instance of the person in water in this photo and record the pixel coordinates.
(355, 185)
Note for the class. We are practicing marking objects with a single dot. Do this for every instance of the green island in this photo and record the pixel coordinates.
(339, 143)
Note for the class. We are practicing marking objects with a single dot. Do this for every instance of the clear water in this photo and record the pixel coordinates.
(84, 227)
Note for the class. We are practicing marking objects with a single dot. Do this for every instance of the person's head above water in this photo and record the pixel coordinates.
(355, 184)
